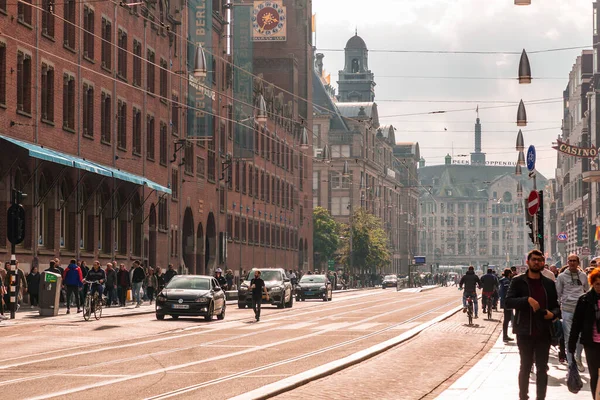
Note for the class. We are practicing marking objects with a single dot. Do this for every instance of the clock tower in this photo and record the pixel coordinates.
(356, 82)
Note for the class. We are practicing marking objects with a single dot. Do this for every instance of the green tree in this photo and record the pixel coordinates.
(325, 235)
(370, 245)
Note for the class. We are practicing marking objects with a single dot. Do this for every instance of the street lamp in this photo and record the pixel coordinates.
(521, 115)
(524, 69)
(520, 142)
(200, 62)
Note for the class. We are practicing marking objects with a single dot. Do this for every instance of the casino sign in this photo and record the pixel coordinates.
(571, 150)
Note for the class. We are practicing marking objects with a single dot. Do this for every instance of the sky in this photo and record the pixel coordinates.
(462, 25)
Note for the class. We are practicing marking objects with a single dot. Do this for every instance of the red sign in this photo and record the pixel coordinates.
(533, 202)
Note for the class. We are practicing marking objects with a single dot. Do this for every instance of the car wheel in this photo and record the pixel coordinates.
(282, 304)
(222, 315)
(302, 299)
(160, 317)
(174, 316)
(209, 314)
(241, 305)
(291, 303)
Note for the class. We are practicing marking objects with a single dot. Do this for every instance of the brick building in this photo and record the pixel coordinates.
(96, 105)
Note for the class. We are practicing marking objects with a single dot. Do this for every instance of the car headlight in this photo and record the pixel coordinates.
(161, 298)
(323, 288)
(202, 300)
(275, 289)
(298, 287)
(243, 288)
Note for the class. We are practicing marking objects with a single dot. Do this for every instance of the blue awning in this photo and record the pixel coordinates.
(68, 160)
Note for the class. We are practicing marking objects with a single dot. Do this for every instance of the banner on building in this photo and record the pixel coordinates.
(571, 150)
(269, 21)
(200, 121)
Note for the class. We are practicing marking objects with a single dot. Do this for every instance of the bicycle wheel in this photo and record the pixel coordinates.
(97, 307)
(87, 307)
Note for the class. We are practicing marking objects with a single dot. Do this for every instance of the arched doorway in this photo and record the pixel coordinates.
(187, 241)
(210, 249)
(200, 243)
(152, 237)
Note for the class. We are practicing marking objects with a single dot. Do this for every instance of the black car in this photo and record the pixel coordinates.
(389, 281)
(277, 283)
(314, 287)
(193, 296)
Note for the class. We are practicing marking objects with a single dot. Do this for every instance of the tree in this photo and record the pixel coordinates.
(325, 235)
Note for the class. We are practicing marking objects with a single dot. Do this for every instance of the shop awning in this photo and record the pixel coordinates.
(57, 157)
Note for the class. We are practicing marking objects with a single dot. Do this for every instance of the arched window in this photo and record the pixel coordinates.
(355, 65)
(63, 221)
(42, 214)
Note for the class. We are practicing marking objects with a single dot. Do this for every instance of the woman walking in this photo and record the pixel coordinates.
(33, 283)
(151, 284)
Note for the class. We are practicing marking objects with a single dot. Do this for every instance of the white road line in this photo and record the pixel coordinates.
(365, 327)
(95, 375)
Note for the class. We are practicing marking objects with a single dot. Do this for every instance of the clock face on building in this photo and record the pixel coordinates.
(268, 20)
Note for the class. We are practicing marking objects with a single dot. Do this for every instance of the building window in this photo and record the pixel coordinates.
(68, 102)
(255, 182)
(236, 231)
(69, 25)
(243, 228)
(106, 44)
(24, 12)
(137, 63)
(47, 93)
(250, 181)
(189, 158)
(162, 214)
(222, 199)
(88, 110)
(237, 176)
(230, 121)
(340, 206)
(175, 115)
(229, 227)
(150, 138)
(105, 117)
(200, 167)
(163, 80)
(244, 178)
(88, 33)
(150, 71)
(122, 125)
(2, 74)
(212, 159)
(47, 19)
(137, 132)
(24, 82)
(122, 60)
(163, 144)
(174, 184)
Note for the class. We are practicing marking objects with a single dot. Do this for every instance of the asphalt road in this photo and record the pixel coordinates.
(133, 357)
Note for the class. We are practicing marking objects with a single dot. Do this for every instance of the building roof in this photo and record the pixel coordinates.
(321, 101)
(352, 110)
(356, 42)
(407, 149)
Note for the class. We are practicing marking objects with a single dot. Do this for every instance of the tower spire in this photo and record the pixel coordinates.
(356, 31)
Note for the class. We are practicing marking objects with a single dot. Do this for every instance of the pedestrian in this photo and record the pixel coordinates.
(570, 286)
(3, 294)
(73, 281)
(160, 279)
(111, 285)
(33, 285)
(548, 273)
(508, 312)
(534, 299)
(123, 284)
(258, 287)
(137, 280)
(21, 282)
(151, 284)
(586, 322)
(170, 273)
(229, 278)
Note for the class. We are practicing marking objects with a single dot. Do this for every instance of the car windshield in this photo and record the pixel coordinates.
(267, 275)
(389, 278)
(312, 279)
(189, 283)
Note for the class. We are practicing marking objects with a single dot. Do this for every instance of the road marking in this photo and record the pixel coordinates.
(299, 325)
(334, 326)
(364, 327)
(96, 375)
(409, 325)
(257, 325)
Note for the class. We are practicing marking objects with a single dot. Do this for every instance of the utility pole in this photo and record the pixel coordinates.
(16, 234)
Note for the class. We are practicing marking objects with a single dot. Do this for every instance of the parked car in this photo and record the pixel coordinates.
(389, 281)
(191, 295)
(314, 287)
(278, 285)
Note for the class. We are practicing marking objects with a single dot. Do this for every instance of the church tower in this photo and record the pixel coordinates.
(477, 158)
(356, 82)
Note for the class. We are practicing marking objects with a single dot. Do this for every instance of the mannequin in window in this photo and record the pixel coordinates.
(355, 65)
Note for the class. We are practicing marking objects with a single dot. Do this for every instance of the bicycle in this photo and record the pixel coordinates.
(92, 303)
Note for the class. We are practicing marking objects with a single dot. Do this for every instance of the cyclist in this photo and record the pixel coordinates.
(98, 275)
(471, 282)
(220, 278)
(490, 284)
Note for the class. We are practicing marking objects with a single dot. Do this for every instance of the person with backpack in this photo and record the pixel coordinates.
(73, 281)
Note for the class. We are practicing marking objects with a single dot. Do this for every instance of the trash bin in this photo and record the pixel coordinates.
(50, 284)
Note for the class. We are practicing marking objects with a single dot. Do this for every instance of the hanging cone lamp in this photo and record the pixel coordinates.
(521, 115)
(522, 2)
(261, 117)
(518, 170)
(520, 142)
(519, 190)
(346, 170)
(326, 154)
(524, 69)
(304, 139)
(521, 159)
(200, 63)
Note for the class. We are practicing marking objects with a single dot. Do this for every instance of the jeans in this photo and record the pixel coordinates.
(256, 303)
(111, 293)
(97, 288)
(567, 321)
(592, 354)
(73, 290)
(137, 286)
(508, 314)
(475, 303)
(530, 349)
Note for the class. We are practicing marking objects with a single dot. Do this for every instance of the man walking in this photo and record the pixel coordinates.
(258, 286)
(73, 281)
(170, 273)
(534, 299)
(124, 283)
(508, 313)
(570, 285)
(137, 279)
(110, 286)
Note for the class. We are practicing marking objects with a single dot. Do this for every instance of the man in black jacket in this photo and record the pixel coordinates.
(471, 283)
(534, 299)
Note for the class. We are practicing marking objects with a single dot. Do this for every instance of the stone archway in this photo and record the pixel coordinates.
(152, 237)
(187, 241)
(210, 249)
(200, 244)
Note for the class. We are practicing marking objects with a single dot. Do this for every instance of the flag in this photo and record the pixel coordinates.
(314, 23)
(597, 238)
(328, 79)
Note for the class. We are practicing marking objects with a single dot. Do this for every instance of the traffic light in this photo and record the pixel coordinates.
(540, 222)
(529, 223)
(15, 219)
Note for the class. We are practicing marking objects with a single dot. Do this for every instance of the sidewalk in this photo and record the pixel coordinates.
(496, 374)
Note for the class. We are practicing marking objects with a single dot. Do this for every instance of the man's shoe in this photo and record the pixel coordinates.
(68, 311)
(580, 365)
(78, 310)
(476, 316)
(507, 339)
(137, 305)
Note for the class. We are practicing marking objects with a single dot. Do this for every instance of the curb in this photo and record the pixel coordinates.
(295, 381)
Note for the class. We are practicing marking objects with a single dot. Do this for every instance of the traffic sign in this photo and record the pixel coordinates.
(331, 265)
(533, 202)
(562, 236)
(531, 158)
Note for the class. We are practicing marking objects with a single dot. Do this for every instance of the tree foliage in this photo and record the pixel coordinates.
(325, 235)
(370, 245)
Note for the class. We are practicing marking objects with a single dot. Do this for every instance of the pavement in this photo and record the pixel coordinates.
(497, 373)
